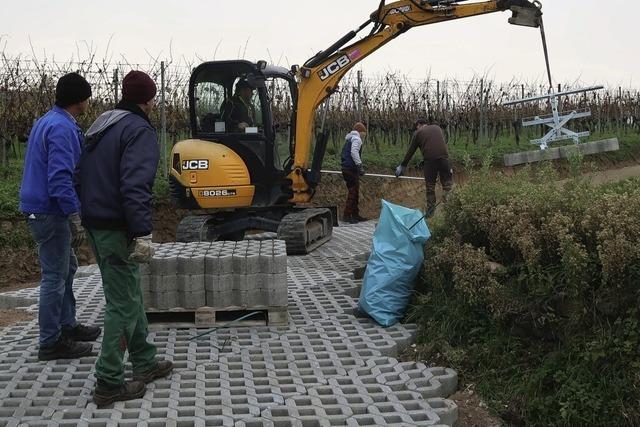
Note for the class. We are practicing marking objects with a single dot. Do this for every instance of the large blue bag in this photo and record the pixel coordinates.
(394, 264)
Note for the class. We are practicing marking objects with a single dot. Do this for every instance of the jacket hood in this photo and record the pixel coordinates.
(354, 134)
(106, 120)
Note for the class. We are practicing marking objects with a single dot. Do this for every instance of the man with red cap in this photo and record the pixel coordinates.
(114, 181)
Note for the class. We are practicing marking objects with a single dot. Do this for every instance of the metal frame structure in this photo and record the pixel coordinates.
(556, 120)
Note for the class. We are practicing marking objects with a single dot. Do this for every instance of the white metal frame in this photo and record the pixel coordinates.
(556, 120)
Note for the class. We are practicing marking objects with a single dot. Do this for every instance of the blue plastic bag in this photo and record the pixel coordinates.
(394, 264)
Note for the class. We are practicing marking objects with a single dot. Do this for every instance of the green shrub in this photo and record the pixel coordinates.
(537, 285)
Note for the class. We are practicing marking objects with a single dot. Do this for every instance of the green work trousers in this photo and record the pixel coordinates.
(125, 322)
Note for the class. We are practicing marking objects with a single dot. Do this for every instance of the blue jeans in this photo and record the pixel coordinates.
(58, 265)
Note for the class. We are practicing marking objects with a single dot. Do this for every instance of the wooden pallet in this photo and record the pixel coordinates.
(209, 317)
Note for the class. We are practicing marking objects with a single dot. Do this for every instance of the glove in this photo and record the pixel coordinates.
(143, 250)
(77, 231)
(360, 170)
(399, 171)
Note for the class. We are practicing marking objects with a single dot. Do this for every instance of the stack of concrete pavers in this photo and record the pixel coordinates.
(245, 274)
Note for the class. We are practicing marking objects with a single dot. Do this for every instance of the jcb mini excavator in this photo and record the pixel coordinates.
(240, 171)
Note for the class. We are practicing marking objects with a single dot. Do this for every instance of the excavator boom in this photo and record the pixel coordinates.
(320, 75)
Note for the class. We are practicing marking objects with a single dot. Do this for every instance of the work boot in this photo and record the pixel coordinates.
(163, 368)
(105, 394)
(81, 332)
(64, 348)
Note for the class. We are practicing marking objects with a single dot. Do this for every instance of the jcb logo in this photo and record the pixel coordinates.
(334, 67)
(191, 165)
(217, 193)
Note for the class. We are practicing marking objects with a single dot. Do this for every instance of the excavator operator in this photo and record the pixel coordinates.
(238, 111)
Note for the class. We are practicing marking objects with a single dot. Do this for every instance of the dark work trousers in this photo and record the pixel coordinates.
(434, 169)
(352, 179)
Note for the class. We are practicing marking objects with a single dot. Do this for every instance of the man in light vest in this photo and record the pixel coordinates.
(352, 170)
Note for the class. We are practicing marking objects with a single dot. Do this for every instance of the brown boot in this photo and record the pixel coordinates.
(162, 369)
(105, 394)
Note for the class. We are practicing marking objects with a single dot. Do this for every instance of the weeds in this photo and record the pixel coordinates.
(551, 336)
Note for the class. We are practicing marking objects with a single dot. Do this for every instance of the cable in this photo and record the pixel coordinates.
(546, 54)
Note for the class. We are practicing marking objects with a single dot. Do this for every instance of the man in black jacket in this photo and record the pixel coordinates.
(239, 112)
(114, 181)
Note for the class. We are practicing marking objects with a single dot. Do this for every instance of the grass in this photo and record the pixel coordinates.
(389, 156)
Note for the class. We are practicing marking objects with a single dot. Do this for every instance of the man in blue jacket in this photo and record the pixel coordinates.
(115, 180)
(52, 209)
(352, 170)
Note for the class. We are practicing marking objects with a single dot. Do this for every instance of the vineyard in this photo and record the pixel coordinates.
(471, 112)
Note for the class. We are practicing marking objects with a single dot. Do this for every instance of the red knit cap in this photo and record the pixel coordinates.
(360, 127)
(138, 88)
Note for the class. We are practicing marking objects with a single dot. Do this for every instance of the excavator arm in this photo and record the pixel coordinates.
(320, 75)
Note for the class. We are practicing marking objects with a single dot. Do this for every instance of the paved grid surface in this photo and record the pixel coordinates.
(327, 367)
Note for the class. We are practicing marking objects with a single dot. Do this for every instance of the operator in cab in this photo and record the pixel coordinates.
(238, 112)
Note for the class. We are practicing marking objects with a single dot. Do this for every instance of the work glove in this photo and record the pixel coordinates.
(143, 250)
(77, 230)
(361, 170)
(399, 171)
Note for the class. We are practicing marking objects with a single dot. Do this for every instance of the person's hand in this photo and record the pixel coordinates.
(399, 171)
(77, 231)
(361, 170)
(143, 250)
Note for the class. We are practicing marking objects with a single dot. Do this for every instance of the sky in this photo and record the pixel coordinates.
(590, 42)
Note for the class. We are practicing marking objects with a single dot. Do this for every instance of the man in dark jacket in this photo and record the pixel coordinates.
(239, 112)
(52, 209)
(352, 170)
(114, 180)
(430, 139)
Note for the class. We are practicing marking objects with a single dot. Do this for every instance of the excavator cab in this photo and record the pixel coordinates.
(238, 148)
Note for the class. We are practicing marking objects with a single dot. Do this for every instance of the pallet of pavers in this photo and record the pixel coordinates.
(207, 283)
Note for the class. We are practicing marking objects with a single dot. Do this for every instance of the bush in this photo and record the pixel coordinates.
(522, 272)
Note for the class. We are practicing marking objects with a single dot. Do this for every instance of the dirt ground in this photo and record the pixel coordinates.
(9, 317)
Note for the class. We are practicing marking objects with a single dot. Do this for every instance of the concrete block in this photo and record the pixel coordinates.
(280, 263)
(245, 282)
(162, 284)
(221, 299)
(222, 283)
(166, 300)
(190, 283)
(163, 265)
(586, 148)
(275, 298)
(192, 300)
(252, 261)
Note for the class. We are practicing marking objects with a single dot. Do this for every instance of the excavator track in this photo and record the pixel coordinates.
(306, 230)
(193, 228)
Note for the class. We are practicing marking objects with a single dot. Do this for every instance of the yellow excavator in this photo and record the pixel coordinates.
(245, 170)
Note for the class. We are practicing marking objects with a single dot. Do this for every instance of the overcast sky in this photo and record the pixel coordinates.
(590, 41)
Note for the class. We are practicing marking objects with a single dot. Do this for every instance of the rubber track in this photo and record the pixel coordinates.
(293, 230)
(191, 228)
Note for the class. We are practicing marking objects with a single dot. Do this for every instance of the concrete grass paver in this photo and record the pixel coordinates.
(327, 367)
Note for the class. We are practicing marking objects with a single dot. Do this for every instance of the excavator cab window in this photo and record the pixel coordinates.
(227, 98)
(281, 103)
(234, 107)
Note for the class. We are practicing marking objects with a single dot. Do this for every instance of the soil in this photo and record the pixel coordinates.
(9, 317)
(472, 411)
